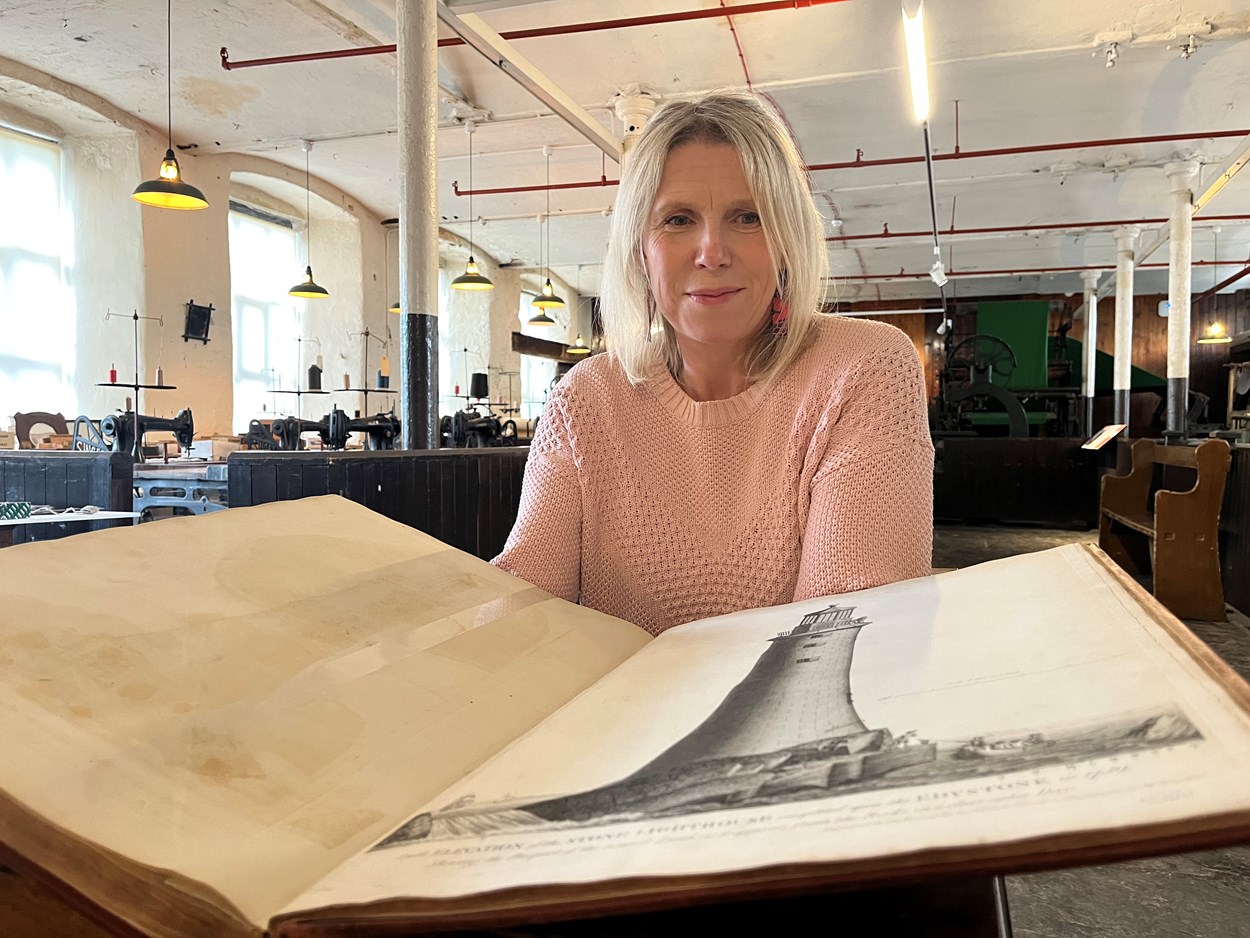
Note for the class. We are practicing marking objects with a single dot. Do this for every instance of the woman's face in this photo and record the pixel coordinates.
(705, 252)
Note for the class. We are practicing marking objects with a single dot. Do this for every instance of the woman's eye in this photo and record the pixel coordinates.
(750, 218)
(677, 220)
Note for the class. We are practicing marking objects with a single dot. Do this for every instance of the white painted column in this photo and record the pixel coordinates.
(634, 107)
(417, 25)
(1122, 382)
(1181, 175)
(1089, 346)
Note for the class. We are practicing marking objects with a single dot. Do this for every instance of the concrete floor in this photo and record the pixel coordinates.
(1195, 895)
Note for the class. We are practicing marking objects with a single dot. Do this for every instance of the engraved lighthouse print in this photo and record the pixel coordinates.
(787, 730)
(799, 692)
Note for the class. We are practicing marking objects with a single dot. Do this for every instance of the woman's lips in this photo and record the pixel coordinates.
(713, 297)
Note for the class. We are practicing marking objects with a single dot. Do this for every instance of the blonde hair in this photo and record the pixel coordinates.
(779, 183)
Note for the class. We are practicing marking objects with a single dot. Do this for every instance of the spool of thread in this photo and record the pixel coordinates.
(160, 375)
(321, 366)
(347, 381)
(479, 386)
(384, 367)
(314, 377)
(112, 374)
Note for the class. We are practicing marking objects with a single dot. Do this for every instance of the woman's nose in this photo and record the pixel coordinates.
(713, 248)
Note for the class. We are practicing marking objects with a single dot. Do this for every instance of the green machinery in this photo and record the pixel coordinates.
(1013, 377)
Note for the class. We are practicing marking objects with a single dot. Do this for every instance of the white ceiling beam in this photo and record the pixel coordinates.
(495, 49)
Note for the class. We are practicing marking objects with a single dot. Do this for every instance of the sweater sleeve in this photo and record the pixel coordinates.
(870, 514)
(544, 547)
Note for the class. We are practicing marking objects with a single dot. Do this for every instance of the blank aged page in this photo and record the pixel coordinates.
(250, 696)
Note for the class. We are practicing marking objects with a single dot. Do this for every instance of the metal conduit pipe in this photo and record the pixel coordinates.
(1013, 272)
(859, 163)
(569, 29)
(1025, 229)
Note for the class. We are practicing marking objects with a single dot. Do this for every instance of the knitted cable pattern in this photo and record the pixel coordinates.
(659, 509)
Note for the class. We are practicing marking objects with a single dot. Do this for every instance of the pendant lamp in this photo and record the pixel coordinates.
(579, 347)
(1215, 334)
(308, 288)
(168, 190)
(472, 278)
(548, 298)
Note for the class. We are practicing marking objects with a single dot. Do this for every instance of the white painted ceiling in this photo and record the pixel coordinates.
(1019, 74)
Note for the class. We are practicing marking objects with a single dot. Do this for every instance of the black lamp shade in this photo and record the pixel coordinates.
(168, 190)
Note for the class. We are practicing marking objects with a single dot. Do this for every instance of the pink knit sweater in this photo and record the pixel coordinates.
(658, 509)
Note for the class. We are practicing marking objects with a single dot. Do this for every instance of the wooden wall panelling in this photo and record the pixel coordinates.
(465, 497)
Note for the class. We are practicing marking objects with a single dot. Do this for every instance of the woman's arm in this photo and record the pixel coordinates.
(545, 545)
(870, 515)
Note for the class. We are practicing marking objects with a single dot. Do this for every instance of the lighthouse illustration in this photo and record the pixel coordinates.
(787, 730)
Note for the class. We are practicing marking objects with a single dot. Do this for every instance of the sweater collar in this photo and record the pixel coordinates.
(705, 413)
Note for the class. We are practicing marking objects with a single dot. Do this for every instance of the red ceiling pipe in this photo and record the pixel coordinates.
(1222, 284)
(571, 28)
(859, 162)
(1058, 226)
(1013, 272)
(603, 181)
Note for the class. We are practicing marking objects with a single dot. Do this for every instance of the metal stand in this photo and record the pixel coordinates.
(137, 452)
(299, 391)
(364, 378)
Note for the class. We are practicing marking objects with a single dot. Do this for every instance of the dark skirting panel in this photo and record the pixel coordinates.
(1235, 532)
(467, 498)
(1047, 481)
(65, 479)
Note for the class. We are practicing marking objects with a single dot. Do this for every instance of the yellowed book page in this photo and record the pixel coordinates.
(1015, 708)
(251, 696)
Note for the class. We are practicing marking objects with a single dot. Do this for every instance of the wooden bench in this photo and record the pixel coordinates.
(1172, 536)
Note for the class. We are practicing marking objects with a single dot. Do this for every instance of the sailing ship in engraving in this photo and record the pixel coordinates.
(789, 731)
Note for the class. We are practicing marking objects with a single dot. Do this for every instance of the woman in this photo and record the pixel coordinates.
(736, 448)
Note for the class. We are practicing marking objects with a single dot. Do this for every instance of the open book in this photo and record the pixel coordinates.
(303, 715)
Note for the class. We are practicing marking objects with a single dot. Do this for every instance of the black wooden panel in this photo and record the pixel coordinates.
(264, 483)
(1235, 532)
(66, 480)
(289, 481)
(1039, 480)
(464, 497)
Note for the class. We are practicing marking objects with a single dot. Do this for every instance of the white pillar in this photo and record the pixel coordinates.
(1180, 252)
(1122, 383)
(634, 107)
(417, 26)
(1089, 345)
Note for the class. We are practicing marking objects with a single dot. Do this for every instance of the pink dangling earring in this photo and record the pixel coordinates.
(781, 313)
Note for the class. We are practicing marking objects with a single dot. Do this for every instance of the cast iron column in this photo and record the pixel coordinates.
(1125, 264)
(1179, 256)
(418, 223)
(1089, 345)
